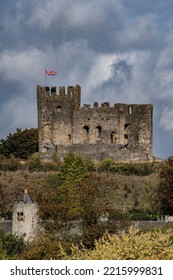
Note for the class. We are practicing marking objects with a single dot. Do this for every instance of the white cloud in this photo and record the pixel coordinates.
(166, 120)
(21, 65)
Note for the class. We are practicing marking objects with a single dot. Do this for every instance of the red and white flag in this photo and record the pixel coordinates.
(50, 72)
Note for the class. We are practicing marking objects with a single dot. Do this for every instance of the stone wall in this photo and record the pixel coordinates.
(99, 152)
(6, 226)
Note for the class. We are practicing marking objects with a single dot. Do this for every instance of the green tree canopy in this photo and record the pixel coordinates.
(21, 144)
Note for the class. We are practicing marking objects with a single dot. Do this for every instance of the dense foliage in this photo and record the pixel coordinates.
(11, 245)
(166, 187)
(69, 196)
(98, 201)
(21, 144)
(153, 245)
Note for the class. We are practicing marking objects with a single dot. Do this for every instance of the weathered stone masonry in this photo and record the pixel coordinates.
(122, 132)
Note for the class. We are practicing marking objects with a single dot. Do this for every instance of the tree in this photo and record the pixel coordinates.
(72, 170)
(79, 201)
(21, 144)
(11, 187)
(165, 191)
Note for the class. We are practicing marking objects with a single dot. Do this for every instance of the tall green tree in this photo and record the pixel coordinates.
(72, 170)
(21, 144)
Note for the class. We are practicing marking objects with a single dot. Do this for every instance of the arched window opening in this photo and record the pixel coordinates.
(98, 132)
(86, 129)
(85, 134)
(58, 109)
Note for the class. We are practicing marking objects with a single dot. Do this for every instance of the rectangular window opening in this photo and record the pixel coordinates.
(20, 216)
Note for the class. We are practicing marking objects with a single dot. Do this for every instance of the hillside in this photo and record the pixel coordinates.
(116, 190)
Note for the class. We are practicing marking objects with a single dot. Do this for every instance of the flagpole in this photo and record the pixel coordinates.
(45, 77)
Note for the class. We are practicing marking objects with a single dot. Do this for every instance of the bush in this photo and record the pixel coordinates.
(35, 163)
(105, 165)
(11, 244)
(140, 215)
(139, 169)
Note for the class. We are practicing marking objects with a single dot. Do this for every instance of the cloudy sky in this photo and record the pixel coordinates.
(117, 50)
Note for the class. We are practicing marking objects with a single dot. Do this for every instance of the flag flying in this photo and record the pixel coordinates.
(50, 72)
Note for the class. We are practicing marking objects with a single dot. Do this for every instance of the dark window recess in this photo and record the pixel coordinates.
(20, 216)
(126, 125)
(99, 130)
(125, 136)
(58, 109)
(112, 136)
(86, 128)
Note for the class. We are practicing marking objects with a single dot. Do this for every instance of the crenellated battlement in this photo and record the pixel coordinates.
(119, 107)
(71, 91)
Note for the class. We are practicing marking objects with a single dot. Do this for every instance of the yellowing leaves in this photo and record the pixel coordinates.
(128, 246)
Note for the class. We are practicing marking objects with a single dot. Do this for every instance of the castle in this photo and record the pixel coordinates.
(122, 132)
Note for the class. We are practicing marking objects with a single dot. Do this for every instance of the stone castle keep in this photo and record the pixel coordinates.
(122, 132)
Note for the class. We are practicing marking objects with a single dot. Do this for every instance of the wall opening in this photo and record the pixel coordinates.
(85, 134)
(98, 132)
(130, 110)
(20, 216)
(126, 133)
(126, 125)
(86, 129)
(113, 137)
(58, 109)
(69, 137)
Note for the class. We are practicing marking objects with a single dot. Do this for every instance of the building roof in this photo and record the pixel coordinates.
(25, 197)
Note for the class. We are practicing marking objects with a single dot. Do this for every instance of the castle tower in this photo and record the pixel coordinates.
(55, 115)
(25, 217)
